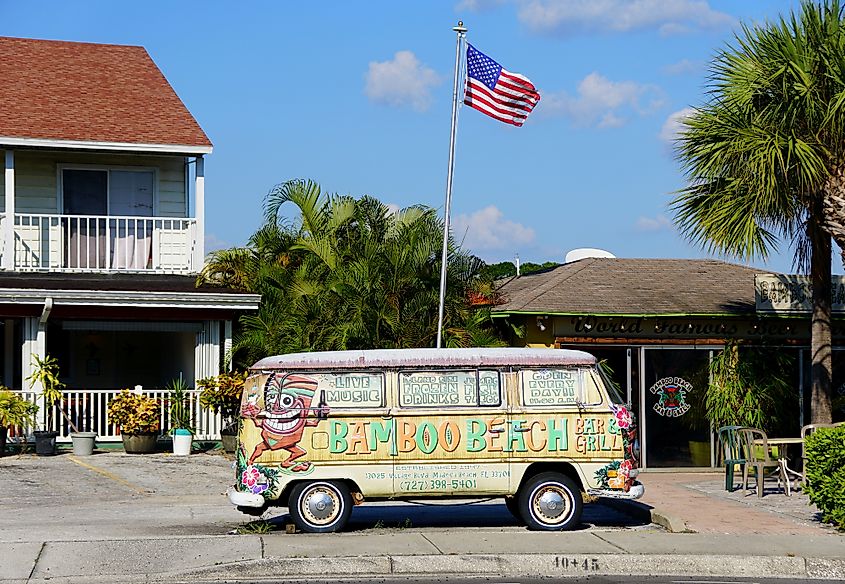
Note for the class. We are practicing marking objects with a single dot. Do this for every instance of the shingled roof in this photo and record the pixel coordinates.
(90, 93)
(633, 287)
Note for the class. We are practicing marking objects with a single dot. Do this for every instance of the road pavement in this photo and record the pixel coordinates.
(148, 518)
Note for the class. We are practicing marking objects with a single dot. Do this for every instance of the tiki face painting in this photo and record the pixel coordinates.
(288, 411)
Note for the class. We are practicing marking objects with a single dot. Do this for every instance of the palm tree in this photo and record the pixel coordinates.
(765, 157)
(350, 273)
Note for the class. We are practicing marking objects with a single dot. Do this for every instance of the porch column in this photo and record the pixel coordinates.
(33, 344)
(207, 351)
(9, 218)
(9, 352)
(199, 194)
(227, 345)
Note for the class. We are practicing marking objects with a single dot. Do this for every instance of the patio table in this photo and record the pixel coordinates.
(783, 446)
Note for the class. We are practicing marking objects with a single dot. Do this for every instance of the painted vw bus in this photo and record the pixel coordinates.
(321, 432)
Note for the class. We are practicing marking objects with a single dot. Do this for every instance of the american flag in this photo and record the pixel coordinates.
(495, 91)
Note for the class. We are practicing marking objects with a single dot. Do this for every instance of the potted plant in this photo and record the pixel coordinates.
(749, 386)
(222, 394)
(45, 373)
(181, 420)
(137, 417)
(15, 411)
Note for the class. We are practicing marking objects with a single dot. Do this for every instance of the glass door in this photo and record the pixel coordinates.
(131, 194)
(676, 432)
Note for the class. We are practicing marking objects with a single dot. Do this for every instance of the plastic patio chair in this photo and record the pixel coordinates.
(732, 452)
(757, 456)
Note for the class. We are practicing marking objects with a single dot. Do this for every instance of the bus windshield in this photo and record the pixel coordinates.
(613, 388)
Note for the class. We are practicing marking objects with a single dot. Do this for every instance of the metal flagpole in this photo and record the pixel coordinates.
(460, 30)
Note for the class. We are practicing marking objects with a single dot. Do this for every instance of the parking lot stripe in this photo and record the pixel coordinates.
(107, 474)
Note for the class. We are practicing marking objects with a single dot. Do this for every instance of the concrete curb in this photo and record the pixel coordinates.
(541, 565)
(643, 512)
(435, 555)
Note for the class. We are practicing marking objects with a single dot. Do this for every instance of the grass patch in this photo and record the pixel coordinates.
(258, 527)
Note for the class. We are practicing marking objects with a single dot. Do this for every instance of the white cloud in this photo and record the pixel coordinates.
(585, 16)
(478, 5)
(487, 229)
(673, 126)
(213, 243)
(602, 102)
(657, 223)
(683, 67)
(404, 81)
(393, 208)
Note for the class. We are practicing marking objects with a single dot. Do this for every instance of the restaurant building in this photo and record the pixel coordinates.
(658, 323)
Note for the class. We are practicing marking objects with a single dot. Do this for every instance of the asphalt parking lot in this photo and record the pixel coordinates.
(114, 495)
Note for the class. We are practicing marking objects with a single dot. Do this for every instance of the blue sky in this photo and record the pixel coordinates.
(357, 96)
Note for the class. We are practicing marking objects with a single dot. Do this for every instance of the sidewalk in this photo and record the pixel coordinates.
(113, 517)
(698, 502)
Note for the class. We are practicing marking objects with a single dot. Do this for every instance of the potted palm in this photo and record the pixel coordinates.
(137, 417)
(15, 411)
(181, 420)
(222, 394)
(749, 386)
(45, 373)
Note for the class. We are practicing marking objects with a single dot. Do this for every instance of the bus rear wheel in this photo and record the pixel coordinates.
(320, 506)
(551, 501)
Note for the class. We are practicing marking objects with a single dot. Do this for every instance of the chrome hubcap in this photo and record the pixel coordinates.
(320, 505)
(551, 504)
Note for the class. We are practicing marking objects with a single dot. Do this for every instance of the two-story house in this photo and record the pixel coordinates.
(102, 229)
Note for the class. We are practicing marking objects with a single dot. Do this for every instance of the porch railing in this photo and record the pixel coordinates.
(89, 411)
(95, 243)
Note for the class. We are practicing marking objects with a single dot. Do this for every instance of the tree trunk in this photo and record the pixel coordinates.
(833, 208)
(820, 341)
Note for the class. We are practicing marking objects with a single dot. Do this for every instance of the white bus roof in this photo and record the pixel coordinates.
(398, 358)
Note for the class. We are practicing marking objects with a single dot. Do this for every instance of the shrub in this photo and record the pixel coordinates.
(825, 471)
(15, 410)
(223, 394)
(135, 414)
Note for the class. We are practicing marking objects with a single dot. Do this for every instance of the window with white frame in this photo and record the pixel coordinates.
(122, 192)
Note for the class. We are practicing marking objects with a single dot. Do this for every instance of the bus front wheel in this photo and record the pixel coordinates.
(551, 501)
(320, 506)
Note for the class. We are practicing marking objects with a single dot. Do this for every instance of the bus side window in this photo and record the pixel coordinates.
(592, 393)
(452, 388)
(552, 387)
(489, 388)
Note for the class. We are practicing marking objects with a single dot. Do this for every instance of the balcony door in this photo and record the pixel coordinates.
(106, 228)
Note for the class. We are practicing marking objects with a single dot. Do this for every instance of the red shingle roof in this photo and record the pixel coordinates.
(57, 90)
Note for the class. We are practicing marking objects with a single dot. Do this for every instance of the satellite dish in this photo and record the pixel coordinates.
(586, 252)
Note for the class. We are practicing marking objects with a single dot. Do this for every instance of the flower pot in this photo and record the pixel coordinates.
(83, 443)
(229, 439)
(45, 443)
(139, 443)
(3, 431)
(699, 452)
(182, 440)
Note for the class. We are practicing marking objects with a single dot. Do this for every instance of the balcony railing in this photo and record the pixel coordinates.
(80, 243)
(88, 409)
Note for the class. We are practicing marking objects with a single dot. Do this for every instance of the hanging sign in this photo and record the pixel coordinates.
(793, 293)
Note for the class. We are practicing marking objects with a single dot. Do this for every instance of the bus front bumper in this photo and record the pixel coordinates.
(241, 499)
(635, 492)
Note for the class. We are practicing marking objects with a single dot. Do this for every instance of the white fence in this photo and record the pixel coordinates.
(89, 411)
(96, 243)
